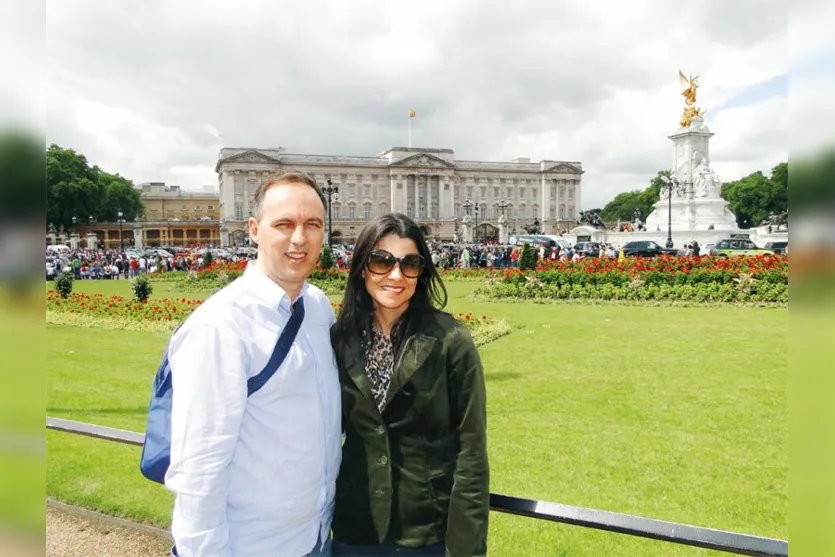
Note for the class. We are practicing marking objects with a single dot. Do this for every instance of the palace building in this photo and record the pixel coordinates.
(429, 185)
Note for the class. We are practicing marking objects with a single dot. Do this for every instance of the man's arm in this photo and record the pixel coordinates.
(208, 368)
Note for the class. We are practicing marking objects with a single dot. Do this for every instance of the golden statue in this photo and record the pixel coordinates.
(691, 85)
(690, 112)
(689, 94)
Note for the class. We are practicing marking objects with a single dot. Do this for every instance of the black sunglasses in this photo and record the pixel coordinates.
(381, 262)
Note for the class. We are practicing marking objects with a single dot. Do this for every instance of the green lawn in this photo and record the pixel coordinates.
(673, 413)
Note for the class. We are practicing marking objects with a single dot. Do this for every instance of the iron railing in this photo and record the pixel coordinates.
(695, 536)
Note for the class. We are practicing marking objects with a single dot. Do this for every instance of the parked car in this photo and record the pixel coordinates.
(779, 248)
(733, 247)
(646, 248)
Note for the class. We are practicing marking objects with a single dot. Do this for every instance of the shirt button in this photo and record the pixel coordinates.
(380, 429)
(383, 460)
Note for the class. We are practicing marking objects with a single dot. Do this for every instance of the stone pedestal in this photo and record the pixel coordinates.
(137, 238)
(74, 241)
(503, 234)
(92, 241)
(696, 204)
(224, 235)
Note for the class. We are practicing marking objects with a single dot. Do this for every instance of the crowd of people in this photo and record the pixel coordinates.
(113, 264)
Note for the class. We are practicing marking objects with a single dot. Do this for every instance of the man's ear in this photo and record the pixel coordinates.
(253, 230)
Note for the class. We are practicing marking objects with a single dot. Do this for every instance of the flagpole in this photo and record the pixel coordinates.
(410, 131)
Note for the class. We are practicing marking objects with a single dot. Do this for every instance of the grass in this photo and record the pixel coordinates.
(678, 414)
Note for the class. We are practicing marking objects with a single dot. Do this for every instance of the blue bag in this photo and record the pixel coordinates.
(156, 451)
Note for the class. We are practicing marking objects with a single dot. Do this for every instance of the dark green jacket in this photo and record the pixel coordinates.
(416, 473)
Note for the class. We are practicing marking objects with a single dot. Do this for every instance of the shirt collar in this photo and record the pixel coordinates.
(265, 287)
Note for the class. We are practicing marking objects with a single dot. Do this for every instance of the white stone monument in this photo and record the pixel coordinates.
(696, 203)
(503, 236)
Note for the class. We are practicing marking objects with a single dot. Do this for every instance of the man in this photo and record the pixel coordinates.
(256, 475)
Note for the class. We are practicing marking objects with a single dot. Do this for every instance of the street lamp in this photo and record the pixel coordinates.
(503, 205)
(74, 220)
(120, 214)
(671, 184)
(332, 193)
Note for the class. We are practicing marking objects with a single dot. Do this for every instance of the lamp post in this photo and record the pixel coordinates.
(503, 205)
(671, 184)
(332, 193)
(74, 220)
(120, 214)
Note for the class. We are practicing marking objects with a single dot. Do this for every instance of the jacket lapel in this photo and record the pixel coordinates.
(355, 368)
(417, 350)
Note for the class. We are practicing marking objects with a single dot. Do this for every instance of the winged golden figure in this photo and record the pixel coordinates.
(690, 84)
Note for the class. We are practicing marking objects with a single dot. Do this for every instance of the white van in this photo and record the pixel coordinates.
(58, 249)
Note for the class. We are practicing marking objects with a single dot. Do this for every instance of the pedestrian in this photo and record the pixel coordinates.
(256, 475)
(414, 473)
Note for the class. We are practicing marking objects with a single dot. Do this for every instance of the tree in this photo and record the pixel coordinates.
(21, 176)
(75, 189)
(527, 260)
(623, 206)
(326, 257)
(750, 198)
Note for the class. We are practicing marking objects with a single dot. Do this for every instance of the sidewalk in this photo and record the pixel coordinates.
(72, 535)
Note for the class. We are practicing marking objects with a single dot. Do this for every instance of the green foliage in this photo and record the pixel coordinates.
(326, 257)
(623, 206)
(74, 188)
(755, 196)
(63, 284)
(207, 258)
(526, 258)
(142, 288)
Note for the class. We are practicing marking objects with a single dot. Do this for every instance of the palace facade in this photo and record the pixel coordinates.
(429, 185)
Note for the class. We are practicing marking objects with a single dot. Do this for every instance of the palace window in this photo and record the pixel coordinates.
(534, 192)
(434, 210)
(469, 192)
(210, 207)
(553, 212)
(239, 187)
(457, 210)
(352, 211)
(366, 211)
(197, 207)
(239, 211)
(483, 211)
(562, 212)
(570, 193)
(352, 190)
(521, 193)
(366, 191)
(496, 193)
(483, 193)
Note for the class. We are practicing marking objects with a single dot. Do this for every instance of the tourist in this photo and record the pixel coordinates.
(414, 464)
(257, 475)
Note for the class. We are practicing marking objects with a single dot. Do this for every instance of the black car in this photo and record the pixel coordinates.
(646, 248)
(777, 247)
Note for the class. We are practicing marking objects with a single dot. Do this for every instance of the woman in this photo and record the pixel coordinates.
(414, 475)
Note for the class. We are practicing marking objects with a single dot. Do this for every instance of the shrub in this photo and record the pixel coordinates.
(63, 284)
(142, 288)
(527, 260)
(207, 258)
(326, 257)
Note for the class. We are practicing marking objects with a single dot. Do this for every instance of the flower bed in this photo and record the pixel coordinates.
(219, 274)
(165, 314)
(757, 280)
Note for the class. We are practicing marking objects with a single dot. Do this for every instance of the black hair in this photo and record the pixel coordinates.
(430, 295)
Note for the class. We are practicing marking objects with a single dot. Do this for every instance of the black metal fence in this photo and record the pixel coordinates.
(719, 540)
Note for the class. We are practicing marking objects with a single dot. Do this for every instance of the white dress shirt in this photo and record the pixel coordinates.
(253, 476)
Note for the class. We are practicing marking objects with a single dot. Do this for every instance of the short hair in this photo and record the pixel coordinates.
(286, 177)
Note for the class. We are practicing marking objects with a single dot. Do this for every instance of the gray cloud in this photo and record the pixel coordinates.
(337, 77)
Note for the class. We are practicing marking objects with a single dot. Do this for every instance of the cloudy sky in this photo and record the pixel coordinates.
(154, 89)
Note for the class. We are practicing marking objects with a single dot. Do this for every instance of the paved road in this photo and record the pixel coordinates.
(70, 535)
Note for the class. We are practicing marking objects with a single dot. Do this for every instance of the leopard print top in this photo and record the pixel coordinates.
(379, 363)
